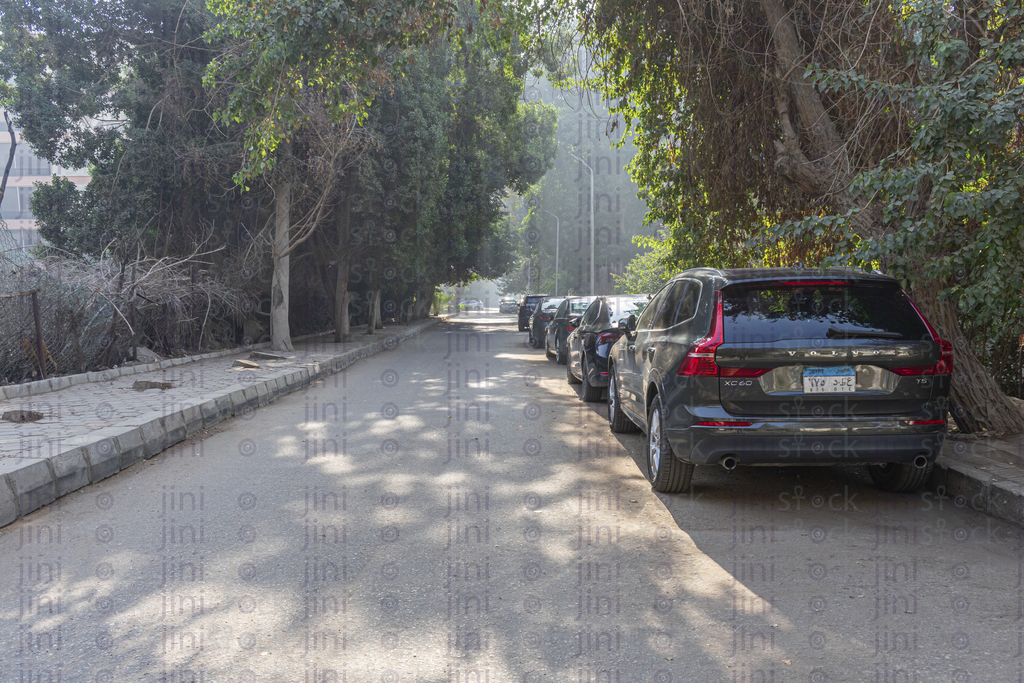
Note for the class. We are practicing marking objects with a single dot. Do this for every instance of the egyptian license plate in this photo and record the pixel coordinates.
(840, 380)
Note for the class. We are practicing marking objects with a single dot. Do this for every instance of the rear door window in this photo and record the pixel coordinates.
(623, 307)
(579, 306)
(647, 317)
(592, 313)
(767, 312)
(687, 303)
(667, 315)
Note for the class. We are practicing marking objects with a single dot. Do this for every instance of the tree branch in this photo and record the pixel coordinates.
(10, 157)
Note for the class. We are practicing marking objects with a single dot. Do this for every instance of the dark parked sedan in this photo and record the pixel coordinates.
(590, 343)
(526, 307)
(542, 315)
(783, 366)
(560, 327)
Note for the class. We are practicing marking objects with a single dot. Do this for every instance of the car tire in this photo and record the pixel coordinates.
(547, 349)
(521, 328)
(665, 471)
(590, 393)
(559, 353)
(569, 377)
(617, 420)
(533, 341)
(899, 478)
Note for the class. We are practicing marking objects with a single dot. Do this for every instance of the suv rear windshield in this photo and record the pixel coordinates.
(623, 307)
(551, 304)
(767, 312)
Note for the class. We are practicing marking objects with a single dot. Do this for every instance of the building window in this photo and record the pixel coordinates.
(25, 163)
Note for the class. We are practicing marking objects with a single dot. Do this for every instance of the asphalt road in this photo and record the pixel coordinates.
(451, 512)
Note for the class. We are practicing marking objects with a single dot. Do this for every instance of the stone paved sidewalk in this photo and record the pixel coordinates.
(986, 474)
(100, 425)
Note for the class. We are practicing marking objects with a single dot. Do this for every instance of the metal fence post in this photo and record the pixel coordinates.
(39, 335)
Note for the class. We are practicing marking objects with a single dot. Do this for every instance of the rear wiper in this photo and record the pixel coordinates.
(861, 333)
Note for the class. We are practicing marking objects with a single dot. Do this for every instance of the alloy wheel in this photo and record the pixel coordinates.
(611, 397)
(654, 443)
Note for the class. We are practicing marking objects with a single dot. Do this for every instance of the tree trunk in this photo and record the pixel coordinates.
(10, 156)
(976, 400)
(421, 308)
(373, 321)
(280, 335)
(342, 297)
(821, 168)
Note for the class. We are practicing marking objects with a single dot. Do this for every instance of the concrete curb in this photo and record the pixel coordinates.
(45, 386)
(27, 484)
(970, 487)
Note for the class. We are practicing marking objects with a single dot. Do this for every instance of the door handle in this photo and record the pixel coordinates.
(650, 352)
(631, 347)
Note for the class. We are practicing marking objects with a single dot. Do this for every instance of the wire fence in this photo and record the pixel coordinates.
(92, 313)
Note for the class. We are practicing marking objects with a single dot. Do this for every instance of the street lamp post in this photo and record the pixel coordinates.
(557, 223)
(591, 220)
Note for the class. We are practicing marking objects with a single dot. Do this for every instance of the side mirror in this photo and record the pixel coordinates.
(628, 327)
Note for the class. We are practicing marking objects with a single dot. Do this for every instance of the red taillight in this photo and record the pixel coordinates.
(945, 364)
(723, 423)
(743, 372)
(608, 337)
(926, 422)
(700, 357)
(570, 328)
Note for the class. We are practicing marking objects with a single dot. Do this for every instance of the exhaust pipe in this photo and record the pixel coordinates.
(920, 462)
(729, 463)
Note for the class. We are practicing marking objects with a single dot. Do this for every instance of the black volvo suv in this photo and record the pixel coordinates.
(782, 366)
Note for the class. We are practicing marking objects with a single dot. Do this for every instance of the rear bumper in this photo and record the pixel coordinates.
(598, 365)
(799, 448)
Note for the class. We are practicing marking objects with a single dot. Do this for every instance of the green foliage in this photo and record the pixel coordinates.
(121, 94)
(951, 199)
(281, 48)
(647, 272)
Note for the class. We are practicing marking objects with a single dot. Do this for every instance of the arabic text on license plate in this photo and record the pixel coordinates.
(839, 380)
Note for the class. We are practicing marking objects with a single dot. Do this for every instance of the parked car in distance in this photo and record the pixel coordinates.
(508, 306)
(472, 305)
(782, 366)
(526, 306)
(588, 345)
(560, 327)
(542, 314)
